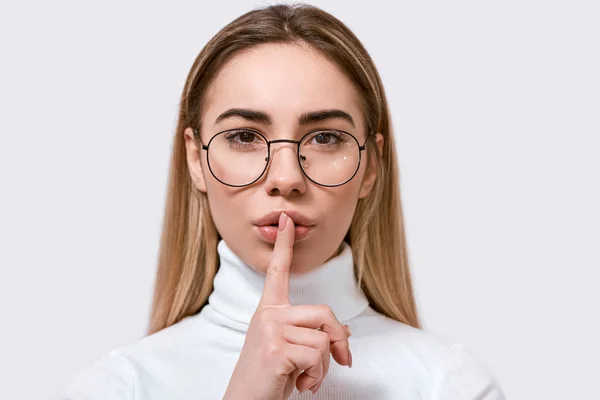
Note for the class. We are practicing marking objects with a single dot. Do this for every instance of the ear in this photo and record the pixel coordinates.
(193, 160)
(371, 174)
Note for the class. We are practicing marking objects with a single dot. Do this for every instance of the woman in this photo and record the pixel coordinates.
(283, 242)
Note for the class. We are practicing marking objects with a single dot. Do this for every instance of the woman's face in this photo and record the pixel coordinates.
(283, 82)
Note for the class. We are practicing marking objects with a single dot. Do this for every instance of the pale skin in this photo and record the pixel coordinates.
(283, 348)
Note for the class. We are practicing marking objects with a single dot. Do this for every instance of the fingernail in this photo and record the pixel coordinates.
(282, 221)
(349, 358)
(348, 329)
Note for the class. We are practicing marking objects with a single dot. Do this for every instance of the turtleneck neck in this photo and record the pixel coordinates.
(238, 287)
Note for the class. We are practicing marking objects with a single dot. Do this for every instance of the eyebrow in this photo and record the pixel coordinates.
(303, 119)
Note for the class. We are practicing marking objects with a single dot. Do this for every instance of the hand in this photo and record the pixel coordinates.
(286, 346)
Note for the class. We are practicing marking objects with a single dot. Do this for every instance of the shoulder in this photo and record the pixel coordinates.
(452, 370)
(117, 374)
(382, 332)
(110, 377)
(461, 375)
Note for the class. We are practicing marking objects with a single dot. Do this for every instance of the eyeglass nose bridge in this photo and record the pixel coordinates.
(297, 142)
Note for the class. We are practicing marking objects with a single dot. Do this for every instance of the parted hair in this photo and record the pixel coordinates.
(188, 258)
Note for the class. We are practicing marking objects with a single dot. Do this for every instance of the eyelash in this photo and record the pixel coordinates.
(333, 132)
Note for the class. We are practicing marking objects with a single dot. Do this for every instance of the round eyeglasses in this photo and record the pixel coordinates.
(239, 157)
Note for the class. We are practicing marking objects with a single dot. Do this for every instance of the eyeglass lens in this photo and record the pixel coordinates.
(239, 157)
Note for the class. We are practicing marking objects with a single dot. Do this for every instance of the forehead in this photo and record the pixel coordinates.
(284, 80)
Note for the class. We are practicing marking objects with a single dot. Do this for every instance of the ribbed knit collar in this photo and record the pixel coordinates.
(238, 287)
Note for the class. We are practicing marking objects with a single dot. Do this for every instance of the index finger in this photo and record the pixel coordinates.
(277, 281)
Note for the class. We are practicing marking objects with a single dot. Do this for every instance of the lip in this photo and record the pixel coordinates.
(273, 218)
(266, 227)
(269, 233)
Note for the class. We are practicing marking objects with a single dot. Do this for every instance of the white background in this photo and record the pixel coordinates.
(496, 107)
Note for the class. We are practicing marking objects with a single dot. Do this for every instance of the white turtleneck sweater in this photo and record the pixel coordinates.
(194, 358)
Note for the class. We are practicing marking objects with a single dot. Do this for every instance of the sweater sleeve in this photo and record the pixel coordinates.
(461, 376)
(110, 377)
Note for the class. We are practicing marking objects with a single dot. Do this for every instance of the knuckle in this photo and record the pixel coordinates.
(273, 268)
(272, 349)
(266, 326)
(323, 339)
(265, 315)
(271, 330)
(316, 357)
(325, 309)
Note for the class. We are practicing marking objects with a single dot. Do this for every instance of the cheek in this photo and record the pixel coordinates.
(350, 191)
(338, 205)
(347, 197)
(226, 207)
(219, 196)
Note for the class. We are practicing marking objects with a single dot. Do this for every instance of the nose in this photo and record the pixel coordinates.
(283, 175)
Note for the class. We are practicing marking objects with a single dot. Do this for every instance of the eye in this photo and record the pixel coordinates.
(242, 137)
(325, 138)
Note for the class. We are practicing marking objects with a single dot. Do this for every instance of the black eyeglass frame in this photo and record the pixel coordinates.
(268, 159)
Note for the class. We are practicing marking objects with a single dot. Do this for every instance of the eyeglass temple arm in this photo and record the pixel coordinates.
(197, 136)
(364, 146)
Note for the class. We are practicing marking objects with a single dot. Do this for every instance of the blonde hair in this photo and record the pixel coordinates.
(188, 259)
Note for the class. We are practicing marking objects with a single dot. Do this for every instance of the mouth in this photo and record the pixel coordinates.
(269, 232)
(268, 225)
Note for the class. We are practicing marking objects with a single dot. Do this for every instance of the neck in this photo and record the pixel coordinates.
(238, 287)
